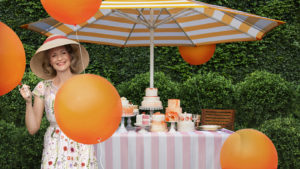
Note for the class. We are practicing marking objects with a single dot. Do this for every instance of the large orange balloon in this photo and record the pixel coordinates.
(71, 11)
(248, 149)
(197, 55)
(12, 59)
(88, 108)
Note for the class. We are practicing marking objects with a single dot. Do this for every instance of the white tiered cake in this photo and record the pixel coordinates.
(151, 100)
(185, 124)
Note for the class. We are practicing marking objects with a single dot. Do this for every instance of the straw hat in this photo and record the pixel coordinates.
(40, 58)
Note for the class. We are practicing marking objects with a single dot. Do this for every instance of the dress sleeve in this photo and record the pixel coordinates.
(39, 90)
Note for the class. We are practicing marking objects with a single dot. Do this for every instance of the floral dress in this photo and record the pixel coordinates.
(60, 152)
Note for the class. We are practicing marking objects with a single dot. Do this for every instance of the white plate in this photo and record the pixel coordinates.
(210, 127)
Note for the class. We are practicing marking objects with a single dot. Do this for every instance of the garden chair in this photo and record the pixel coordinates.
(222, 117)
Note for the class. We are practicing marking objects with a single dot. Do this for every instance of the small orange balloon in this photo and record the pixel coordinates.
(197, 55)
(248, 149)
(88, 108)
(12, 59)
(71, 11)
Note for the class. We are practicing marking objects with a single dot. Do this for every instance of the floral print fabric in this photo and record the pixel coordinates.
(60, 152)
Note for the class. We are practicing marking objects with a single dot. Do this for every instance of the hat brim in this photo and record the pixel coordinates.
(79, 51)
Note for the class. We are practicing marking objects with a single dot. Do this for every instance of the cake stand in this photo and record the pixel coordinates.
(129, 126)
(142, 130)
(122, 128)
(152, 109)
(172, 128)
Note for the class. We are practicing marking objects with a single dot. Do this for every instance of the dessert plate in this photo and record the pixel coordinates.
(210, 127)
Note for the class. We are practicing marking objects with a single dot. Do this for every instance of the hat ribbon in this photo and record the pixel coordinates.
(55, 37)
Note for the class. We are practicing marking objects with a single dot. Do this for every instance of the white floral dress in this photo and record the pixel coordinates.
(60, 152)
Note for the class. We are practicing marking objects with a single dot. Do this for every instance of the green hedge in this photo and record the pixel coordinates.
(12, 105)
(297, 102)
(207, 90)
(262, 96)
(285, 135)
(18, 148)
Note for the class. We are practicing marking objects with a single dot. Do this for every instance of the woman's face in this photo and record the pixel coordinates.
(60, 58)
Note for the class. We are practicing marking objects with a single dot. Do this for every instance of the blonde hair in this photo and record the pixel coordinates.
(49, 70)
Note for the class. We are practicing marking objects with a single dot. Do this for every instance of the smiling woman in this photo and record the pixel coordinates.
(56, 61)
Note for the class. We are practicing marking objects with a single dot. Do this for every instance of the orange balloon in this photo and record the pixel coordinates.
(248, 149)
(88, 108)
(71, 11)
(197, 55)
(12, 59)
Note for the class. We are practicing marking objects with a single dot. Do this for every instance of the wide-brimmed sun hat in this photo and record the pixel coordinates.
(40, 57)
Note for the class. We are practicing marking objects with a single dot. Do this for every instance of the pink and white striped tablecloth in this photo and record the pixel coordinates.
(180, 150)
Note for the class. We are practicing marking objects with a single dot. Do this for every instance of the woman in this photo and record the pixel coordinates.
(57, 60)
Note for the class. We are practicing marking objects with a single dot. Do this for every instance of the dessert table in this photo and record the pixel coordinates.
(162, 150)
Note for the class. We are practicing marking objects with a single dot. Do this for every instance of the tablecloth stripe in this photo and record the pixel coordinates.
(139, 151)
(154, 150)
(108, 154)
(124, 151)
(171, 151)
(209, 145)
(201, 150)
(194, 150)
(132, 150)
(147, 151)
(117, 151)
(162, 151)
(218, 146)
(186, 150)
(178, 150)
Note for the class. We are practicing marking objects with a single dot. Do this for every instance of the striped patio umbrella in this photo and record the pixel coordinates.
(161, 23)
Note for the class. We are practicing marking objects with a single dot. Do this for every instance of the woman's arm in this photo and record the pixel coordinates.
(34, 113)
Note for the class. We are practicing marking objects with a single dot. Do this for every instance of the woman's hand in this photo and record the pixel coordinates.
(26, 93)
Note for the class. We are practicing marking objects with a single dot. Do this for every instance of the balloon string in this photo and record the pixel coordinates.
(99, 140)
(79, 49)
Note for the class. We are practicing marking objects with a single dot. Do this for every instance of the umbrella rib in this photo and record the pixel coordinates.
(141, 14)
(182, 29)
(158, 15)
(121, 14)
(81, 27)
(132, 29)
(171, 17)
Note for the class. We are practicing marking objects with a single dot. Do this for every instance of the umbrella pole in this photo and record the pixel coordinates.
(151, 59)
(151, 50)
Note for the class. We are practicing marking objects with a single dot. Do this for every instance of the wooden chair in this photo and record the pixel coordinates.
(224, 118)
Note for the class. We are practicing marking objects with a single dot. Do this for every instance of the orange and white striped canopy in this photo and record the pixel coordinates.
(173, 22)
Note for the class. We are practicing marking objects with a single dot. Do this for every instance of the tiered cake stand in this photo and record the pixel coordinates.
(142, 130)
(122, 128)
(151, 109)
(172, 127)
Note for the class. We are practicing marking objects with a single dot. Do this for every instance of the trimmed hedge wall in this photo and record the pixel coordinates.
(207, 90)
(262, 96)
(285, 135)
